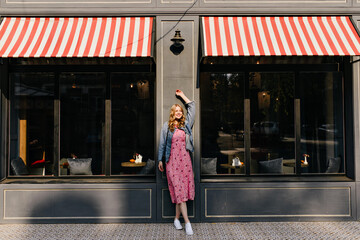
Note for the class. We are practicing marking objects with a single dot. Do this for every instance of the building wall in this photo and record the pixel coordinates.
(176, 72)
(215, 201)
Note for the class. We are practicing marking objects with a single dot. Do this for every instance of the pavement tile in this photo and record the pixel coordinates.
(165, 231)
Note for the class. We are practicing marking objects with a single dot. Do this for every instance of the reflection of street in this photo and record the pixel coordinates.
(227, 141)
(319, 142)
(266, 128)
(309, 141)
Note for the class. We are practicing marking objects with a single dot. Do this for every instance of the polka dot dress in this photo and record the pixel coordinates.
(179, 170)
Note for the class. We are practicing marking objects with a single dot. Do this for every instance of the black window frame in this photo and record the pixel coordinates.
(343, 65)
(59, 67)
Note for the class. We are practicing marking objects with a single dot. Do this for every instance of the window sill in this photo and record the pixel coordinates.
(79, 180)
(323, 178)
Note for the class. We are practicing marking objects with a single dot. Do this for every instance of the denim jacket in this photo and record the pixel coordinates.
(166, 134)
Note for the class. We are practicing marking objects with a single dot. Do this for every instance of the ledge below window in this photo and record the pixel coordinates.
(77, 180)
(337, 178)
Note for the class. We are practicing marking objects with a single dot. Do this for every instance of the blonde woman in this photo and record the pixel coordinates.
(176, 142)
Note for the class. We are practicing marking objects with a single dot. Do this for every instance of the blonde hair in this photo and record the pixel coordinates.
(172, 119)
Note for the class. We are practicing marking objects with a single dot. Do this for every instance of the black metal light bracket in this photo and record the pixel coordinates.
(177, 47)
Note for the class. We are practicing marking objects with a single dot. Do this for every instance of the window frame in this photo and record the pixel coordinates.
(343, 66)
(150, 67)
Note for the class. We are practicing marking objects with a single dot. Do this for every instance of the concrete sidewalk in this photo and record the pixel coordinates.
(258, 230)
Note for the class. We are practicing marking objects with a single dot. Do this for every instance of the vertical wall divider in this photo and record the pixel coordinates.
(247, 143)
(297, 124)
(5, 113)
(247, 127)
(176, 71)
(107, 155)
(351, 111)
(57, 125)
(297, 136)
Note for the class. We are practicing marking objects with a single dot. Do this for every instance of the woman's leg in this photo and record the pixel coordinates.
(188, 228)
(178, 211)
(183, 210)
(177, 223)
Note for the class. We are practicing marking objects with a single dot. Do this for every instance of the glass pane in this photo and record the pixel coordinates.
(322, 122)
(132, 113)
(222, 123)
(32, 124)
(272, 123)
(82, 128)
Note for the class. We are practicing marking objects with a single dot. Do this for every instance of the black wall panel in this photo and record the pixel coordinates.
(95, 203)
(231, 202)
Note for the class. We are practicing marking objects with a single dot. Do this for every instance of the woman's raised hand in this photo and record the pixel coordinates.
(180, 93)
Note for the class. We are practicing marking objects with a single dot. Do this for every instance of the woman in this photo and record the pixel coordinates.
(176, 142)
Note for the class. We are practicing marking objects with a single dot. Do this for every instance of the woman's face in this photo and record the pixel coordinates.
(178, 113)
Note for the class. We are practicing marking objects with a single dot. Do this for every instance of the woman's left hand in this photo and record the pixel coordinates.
(161, 167)
(178, 92)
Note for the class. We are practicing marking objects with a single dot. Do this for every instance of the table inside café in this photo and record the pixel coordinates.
(237, 169)
(290, 163)
(133, 167)
(239, 152)
(132, 164)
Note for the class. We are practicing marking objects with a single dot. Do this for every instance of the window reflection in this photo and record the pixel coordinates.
(222, 123)
(132, 113)
(32, 123)
(82, 112)
(322, 122)
(272, 122)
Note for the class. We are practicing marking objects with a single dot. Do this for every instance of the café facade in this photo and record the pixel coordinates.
(86, 87)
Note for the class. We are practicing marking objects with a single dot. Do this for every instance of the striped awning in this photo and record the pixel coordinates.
(76, 37)
(279, 36)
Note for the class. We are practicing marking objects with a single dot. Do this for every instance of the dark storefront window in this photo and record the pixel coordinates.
(72, 118)
(132, 114)
(272, 122)
(82, 123)
(322, 122)
(32, 124)
(222, 122)
(263, 93)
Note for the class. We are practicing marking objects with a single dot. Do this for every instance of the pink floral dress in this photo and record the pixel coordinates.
(179, 170)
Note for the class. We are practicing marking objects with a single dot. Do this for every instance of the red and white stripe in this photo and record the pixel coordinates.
(280, 36)
(76, 37)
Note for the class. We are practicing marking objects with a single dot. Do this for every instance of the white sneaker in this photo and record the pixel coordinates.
(177, 224)
(188, 229)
